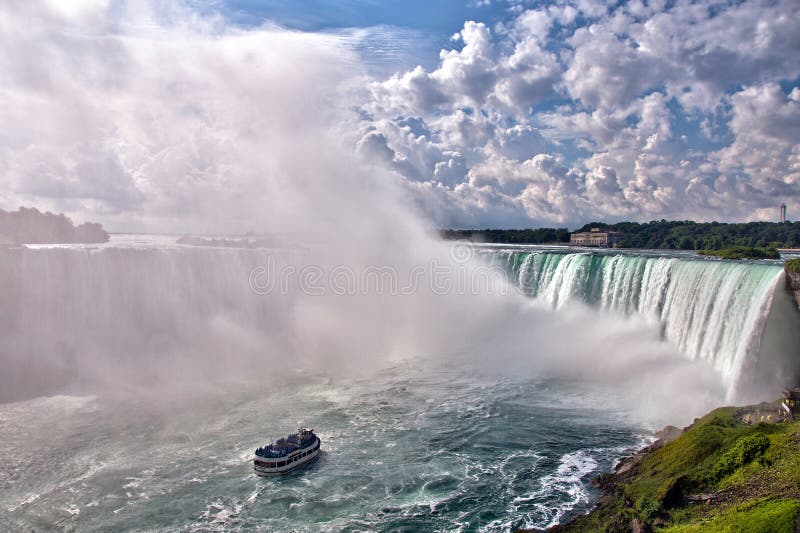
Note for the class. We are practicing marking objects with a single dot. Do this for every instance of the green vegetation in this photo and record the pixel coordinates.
(793, 265)
(720, 475)
(687, 235)
(744, 450)
(658, 234)
(743, 252)
(509, 236)
(758, 516)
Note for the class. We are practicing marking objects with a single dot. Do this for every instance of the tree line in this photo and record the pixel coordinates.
(657, 234)
(509, 236)
(31, 226)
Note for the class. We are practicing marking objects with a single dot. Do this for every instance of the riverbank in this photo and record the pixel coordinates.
(718, 474)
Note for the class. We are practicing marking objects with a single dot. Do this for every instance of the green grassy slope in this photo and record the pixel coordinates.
(720, 475)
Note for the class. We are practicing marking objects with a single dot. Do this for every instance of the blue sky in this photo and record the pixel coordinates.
(440, 17)
(415, 30)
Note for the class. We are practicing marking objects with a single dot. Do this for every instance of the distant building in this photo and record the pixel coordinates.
(596, 237)
(783, 213)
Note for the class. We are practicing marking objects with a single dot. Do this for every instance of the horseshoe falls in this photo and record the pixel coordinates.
(735, 315)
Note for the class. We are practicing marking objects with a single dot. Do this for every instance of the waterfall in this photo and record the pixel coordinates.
(84, 312)
(711, 310)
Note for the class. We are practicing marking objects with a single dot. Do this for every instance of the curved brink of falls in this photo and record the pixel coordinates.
(719, 311)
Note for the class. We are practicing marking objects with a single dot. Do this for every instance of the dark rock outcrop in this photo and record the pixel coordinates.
(793, 280)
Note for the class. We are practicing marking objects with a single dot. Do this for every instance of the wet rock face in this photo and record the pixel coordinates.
(792, 280)
(793, 283)
(668, 434)
(640, 526)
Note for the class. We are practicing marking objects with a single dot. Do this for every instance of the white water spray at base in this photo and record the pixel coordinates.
(710, 310)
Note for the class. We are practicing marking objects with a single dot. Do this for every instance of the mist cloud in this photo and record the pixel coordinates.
(149, 116)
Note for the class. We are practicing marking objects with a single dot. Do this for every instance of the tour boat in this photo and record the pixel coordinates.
(287, 454)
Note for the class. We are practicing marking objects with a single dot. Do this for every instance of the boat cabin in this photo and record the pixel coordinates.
(288, 453)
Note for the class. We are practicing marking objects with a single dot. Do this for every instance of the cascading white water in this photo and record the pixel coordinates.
(711, 310)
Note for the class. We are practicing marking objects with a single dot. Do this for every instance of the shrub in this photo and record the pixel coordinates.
(745, 450)
(647, 508)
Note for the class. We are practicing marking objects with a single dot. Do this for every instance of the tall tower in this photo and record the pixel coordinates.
(783, 213)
